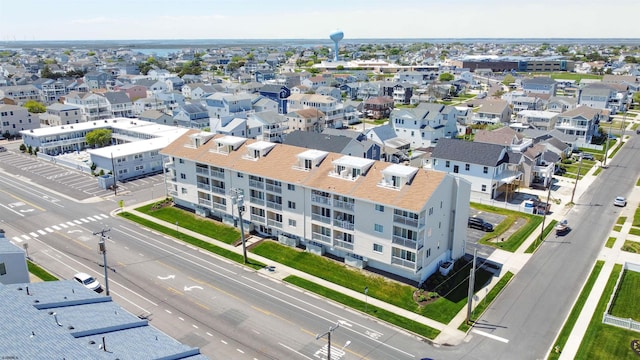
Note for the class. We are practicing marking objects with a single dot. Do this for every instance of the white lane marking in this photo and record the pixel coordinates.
(224, 342)
(490, 336)
(78, 222)
(10, 209)
(208, 333)
(194, 325)
(168, 311)
(240, 351)
(295, 351)
(181, 319)
(42, 232)
(104, 216)
(91, 218)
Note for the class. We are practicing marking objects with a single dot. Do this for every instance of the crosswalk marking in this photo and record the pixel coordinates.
(84, 220)
(77, 222)
(70, 223)
(33, 234)
(26, 237)
(15, 238)
(63, 225)
(42, 232)
(37, 233)
(104, 216)
(49, 229)
(56, 227)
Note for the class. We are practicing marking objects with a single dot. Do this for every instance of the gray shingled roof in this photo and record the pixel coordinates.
(117, 97)
(469, 152)
(317, 141)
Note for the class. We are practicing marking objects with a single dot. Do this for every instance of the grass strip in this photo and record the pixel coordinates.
(621, 220)
(626, 304)
(617, 228)
(517, 238)
(563, 336)
(362, 306)
(205, 245)
(636, 218)
(610, 241)
(631, 246)
(634, 231)
(613, 153)
(547, 229)
(598, 171)
(41, 273)
(486, 302)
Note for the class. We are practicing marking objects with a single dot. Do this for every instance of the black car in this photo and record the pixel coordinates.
(587, 156)
(480, 224)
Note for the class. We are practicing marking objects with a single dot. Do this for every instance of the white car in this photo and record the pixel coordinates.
(88, 281)
(620, 201)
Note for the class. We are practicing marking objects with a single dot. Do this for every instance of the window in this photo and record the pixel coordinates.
(183, 190)
(379, 208)
(292, 205)
(139, 167)
(291, 187)
(455, 169)
(181, 161)
(430, 211)
(467, 167)
(484, 187)
(292, 223)
(428, 252)
(3, 269)
(485, 170)
(378, 228)
(377, 248)
(183, 176)
(447, 164)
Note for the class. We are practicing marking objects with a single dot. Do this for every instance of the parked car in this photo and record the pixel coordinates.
(3, 149)
(480, 224)
(88, 281)
(620, 201)
(587, 156)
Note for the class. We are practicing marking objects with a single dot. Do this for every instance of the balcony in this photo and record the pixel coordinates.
(343, 224)
(274, 223)
(342, 244)
(343, 205)
(405, 220)
(202, 171)
(204, 186)
(319, 237)
(256, 184)
(257, 218)
(403, 262)
(274, 188)
(321, 199)
(204, 202)
(217, 174)
(321, 218)
(218, 190)
(256, 201)
(399, 240)
(274, 205)
(220, 206)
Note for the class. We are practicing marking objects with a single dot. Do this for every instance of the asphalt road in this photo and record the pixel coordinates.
(226, 310)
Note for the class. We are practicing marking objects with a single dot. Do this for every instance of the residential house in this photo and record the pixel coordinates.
(174, 83)
(332, 108)
(394, 148)
(261, 103)
(157, 117)
(61, 114)
(151, 103)
(425, 124)
(153, 86)
(582, 122)
(401, 93)
(527, 103)
(96, 80)
(334, 142)
(602, 96)
(315, 82)
(560, 104)
(21, 93)
(350, 89)
(378, 107)
(119, 104)
(274, 125)
(309, 119)
(485, 166)
(538, 119)
(397, 219)
(93, 106)
(277, 93)
(539, 85)
(291, 79)
(223, 107)
(133, 91)
(329, 91)
(198, 91)
(194, 116)
(262, 76)
(52, 90)
(492, 112)
(14, 119)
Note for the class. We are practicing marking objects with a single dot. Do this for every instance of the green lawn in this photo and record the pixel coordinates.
(626, 303)
(621, 220)
(602, 341)
(613, 153)
(598, 171)
(638, 182)
(617, 228)
(193, 222)
(634, 231)
(561, 340)
(191, 240)
(636, 217)
(517, 238)
(364, 307)
(486, 302)
(571, 76)
(631, 246)
(41, 273)
(601, 152)
(610, 241)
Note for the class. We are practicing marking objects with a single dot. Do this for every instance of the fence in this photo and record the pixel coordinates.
(628, 324)
(497, 203)
(68, 162)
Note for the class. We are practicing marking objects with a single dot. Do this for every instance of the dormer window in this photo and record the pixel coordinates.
(225, 145)
(258, 149)
(396, 176)
(309, 159)
(350, 167)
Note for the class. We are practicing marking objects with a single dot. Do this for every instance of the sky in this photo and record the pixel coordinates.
(304, 19)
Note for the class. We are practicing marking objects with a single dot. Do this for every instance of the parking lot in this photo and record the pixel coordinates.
(65, 180)
(474, 235)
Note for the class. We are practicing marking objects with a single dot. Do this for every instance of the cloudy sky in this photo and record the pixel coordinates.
(304, 19)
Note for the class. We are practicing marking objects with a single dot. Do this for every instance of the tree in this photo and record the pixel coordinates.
(35, 107)
(98, 137)
(444, 77)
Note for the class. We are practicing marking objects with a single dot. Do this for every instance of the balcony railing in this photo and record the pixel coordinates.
(274, 188)
(257, 201)
(257, 218)
(321, 218)
(321, 199)
(342, 244)
(204, 186)
(204, 202)
(256, 184)
(217, 174)
(274, 223)
(274, 205)
(403, 262)
(219, 206)
(405, 220)
(343, 205)
(343, 224)
(218, 190)
(319, 237)
(399, 240)
(202, 171)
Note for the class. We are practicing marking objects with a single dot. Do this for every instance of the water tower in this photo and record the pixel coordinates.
(336, 36)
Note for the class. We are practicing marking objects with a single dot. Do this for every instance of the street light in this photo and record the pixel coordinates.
(102, 248)
(237, 196)
(366, 304)
(328, 334)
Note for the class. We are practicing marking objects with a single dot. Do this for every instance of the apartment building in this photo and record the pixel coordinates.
(395, 218)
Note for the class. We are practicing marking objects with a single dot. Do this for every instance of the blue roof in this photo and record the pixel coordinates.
(63, 319)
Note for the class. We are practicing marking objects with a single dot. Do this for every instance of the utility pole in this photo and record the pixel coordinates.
(237, 196)
(606, 146)
(575, 185)
(544, 216)
(115, 179)
(472, 279)
(102, 248)
(328, 333)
